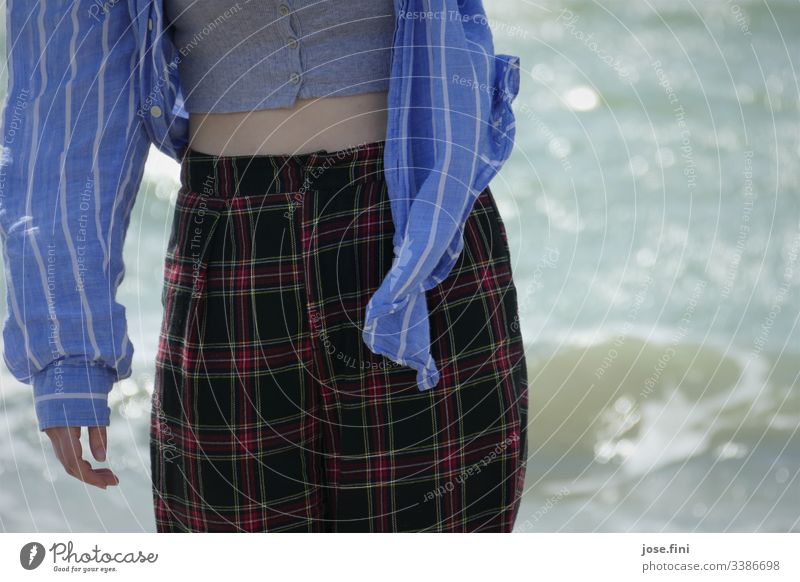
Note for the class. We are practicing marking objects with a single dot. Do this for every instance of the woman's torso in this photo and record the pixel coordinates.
(236, 61)
(330, 123)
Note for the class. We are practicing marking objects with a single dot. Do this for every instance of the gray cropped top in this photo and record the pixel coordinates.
(262, 54)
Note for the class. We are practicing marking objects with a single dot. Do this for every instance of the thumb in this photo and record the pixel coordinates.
(98, 442)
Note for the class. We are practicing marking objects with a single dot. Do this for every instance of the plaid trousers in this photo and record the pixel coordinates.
(269, 412)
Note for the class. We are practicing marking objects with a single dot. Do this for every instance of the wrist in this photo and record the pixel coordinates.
(73, 393)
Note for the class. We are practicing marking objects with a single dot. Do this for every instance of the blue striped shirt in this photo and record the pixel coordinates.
(92, 85)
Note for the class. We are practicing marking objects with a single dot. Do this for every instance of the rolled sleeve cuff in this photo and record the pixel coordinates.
(73, 395)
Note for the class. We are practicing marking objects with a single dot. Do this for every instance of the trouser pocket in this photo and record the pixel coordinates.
(193, 226)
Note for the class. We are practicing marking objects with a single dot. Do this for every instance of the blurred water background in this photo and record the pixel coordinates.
(653, 214)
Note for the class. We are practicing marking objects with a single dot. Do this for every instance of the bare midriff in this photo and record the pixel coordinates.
(329, 123)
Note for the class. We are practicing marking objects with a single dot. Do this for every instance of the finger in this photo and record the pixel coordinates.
(98, 442)
(87, 474)
(62, 443)
(108, 476)
(77, 466)
(71, 445)
(56, 435)
(65, 449)
(106, 471)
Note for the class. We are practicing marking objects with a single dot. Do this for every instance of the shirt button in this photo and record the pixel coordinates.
(293, 42)
(283, 9)
(294, 78)
(149, 24)
(155, 111)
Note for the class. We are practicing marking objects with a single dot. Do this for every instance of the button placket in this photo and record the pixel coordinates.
(295, 76)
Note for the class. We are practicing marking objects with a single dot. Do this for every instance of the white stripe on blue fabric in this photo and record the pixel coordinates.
(68, 395)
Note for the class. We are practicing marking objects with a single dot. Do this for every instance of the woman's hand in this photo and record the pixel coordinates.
(67, 445)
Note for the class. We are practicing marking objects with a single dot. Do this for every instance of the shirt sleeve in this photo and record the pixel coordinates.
(450, 104)
(72, 159)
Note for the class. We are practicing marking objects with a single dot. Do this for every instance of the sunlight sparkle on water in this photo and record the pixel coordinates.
(581, 99)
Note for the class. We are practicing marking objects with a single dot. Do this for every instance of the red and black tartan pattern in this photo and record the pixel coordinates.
(271, 414)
